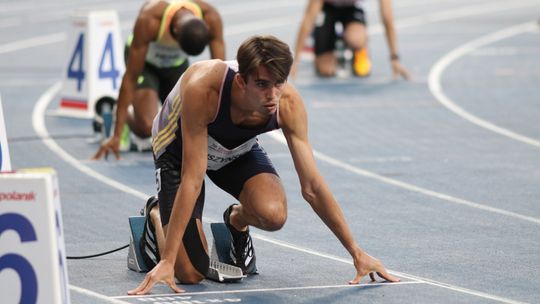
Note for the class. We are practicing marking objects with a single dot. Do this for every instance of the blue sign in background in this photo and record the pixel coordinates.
(23, 227)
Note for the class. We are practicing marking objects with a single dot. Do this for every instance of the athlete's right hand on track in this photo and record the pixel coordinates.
(110, 145)
(162, 272)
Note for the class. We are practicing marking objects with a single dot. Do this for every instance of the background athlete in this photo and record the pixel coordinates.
(165, 33)
(320, 18)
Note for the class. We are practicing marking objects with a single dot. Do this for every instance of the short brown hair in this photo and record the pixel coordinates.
(267, 51)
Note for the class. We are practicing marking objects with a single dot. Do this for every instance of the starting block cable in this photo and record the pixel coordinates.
(96, 254)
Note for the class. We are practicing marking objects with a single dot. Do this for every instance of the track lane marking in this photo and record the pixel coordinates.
(268, 290)
(435, 74)
(38, 123)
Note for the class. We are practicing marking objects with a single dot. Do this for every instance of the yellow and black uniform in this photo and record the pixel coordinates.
(165, 59)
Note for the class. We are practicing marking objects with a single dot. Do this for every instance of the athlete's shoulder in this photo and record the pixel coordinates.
(206, 75)
(290, 94)
(153, 9)
(149, 19)
(291, 102)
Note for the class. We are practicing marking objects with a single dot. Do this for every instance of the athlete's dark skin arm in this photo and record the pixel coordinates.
(199, 94)
(215, 26)
(145, 31)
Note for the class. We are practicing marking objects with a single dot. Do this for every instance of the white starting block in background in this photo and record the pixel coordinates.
(5, 161)
(95, 64)
(33, 266)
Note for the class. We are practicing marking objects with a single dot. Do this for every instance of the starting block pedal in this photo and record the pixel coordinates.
(135, 261)
(221, 265)
(222, 243)
(221, 272)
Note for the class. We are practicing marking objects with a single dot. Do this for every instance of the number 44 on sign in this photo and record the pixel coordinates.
(95, 64)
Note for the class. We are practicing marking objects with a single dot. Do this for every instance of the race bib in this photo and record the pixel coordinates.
(219, 156)
(163, 56)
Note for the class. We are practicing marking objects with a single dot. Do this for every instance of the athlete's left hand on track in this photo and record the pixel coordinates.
(110, 145)
(399, 70)
(366, 264)
(162, 272)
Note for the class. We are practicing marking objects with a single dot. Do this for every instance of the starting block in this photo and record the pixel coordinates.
(135, 261)
(221, 272)
(220, 268)
(221, 264)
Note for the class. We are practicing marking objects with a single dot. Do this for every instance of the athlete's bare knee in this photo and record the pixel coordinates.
(326, 70)
(325, 64)
(146, 130)
(274, 217)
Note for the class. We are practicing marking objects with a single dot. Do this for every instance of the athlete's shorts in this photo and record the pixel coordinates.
(230, 178)
(325, 34)
(161, 80)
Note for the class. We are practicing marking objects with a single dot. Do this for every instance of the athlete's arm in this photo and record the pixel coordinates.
(199, 94)
(215, 26)
(306, 26)
(387, 17)
(144, 32)
(293, 121)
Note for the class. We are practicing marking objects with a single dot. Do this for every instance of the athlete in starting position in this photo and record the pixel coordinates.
(209, 125)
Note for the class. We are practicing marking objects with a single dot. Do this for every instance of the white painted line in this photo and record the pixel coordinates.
(32, 42)
(456, 13)
(466, 11)
(236, 291)
(396, 273)
(439, 67)
(40, 128)
(96, 295)
(278, 136)
(14, 82)
(458, 289)
(38, 121)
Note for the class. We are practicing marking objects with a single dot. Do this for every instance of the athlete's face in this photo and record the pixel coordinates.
(264, 91)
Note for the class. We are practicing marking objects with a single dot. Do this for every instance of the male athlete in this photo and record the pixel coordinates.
(321, 17)
(165, 33)
(209, 125)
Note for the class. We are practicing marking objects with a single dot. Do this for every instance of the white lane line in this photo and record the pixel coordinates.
(418, 279)
(38, 122)
(278, 136)
(32, 42)
(458, 289)
(92, 294)
(149, 297)
(55, 148)
(230, 30)
(436, 72)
